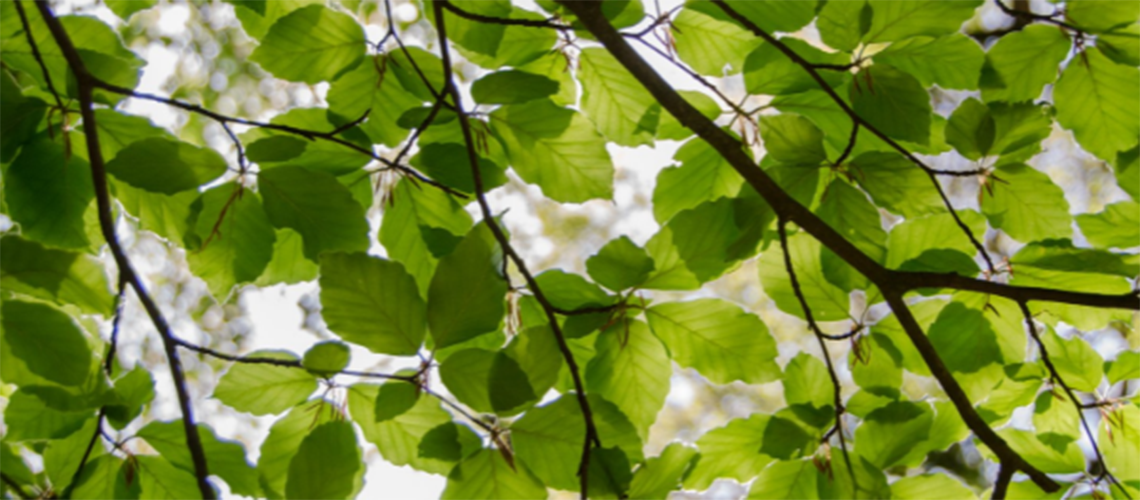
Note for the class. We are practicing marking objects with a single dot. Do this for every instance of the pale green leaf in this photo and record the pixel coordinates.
(414, 214)
(372, 302)
(1022, 62)
(888, 433)
(900, 20)
(951, 62)
(327, 464)
(162, 165)
(632, 371)
(224, 458)
(467, 295)
(311, 44)
(892, 101)
(792, 139)
(1027, 205)
(786, 480)
(315, 205)
(1119, 445)
(613, 99)
(1098, 100)
(767, 70)
(59, 275)
(703, 175)
(487, 475)
(237, 239)
(620, 264)
(161, 480)
(1118, 225)
(662, 474)
(827, 301)
(718, 339)
(711, 46)
(284, 440)
(930, 487)
(263, 389)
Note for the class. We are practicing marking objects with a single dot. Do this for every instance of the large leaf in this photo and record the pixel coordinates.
(1118, 225)
(912, 237)
(842, 24)
(237, 239)
(412, 220)
(893, 101)
(964, 338)
(796, 479)
(1027, 205)
(620, 264)
(662, 474)
(47, 192)
(263, 389)
(317, 206)
(311, 44)
(556, 148)
(900, 20)
(487, 475)
(614, 100)
(888, 433)
(717, 339)
(773, 15)
(792, 139)
(160, 479)
(703, 175)
(59, 275)
(1120, 452)
(632, 371)
(162, 165)
(767, 70)
(48, 341)
(512, 87)
(373, 88)
(284, 440)
(224, 458)
(897, 184)
(327, 464)
(486, 381)
(1021, 63)
(1076, 361)
(1098, 100)
(372, 302)
(467, 295)
(743, 447)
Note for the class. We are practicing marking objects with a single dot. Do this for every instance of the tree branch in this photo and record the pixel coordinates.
(1005, 474)
(591, 433)
(86, 84)
(530, 23)
(15, 487)
(892, 283)
(858, 120)
(1030, 16)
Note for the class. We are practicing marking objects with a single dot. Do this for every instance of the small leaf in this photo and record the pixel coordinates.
(237, 239)
(703, 175)
(512, 87)
(1118, 226)
(828, 302)
(971, 129)
(326, 358)
(395, 399)
(620, 264)
(48, 341)
(792, 139)
(662, 474)
(166, 166)
(888, 433)
(487, 475)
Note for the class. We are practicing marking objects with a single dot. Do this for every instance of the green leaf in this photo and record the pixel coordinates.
(20, 116)
(848, 211)
(796, 479)
(1019, 126)
(1027, 205)
(1100, 15)
(372, 302)
(47, 193)
(414, 214)
(311, 44)
(900, 20)
(632, 371)
(893, 101)
(326, 358)
(662, 474)
(548, 439)
(964, 338)
(166, 166)
(449, 164)
(556, 149)
(837, 28)
(897, 185)
(1046, 458)
(127, 8)
(718, 339)
(704, 236)
(617, 104)
(767, 70)
(1097, 99)
(1126, 366)
(792, 139)
(1053, 414)
(61, 457)
(394, 399)
(774, 15)
(237, 239)
(486, 381)
(1076, 361)
(930, 487)
(620, 264)
(288, 264)
(911, 238)
(1061, 255)
(1119, 448)
(1021, 63)
(172, 217)
(512, 87)
(263, 389)
(487, 475)
(58, 275)
(1122, 45)
(808, 391)
(284, 441)
(971, 129)
(134, 391)
(888, 433)
(224, 458)
(735, 451)
(466, 296)
(951, 62)
(48, 341)
(670, 129)
(711, 46)
(27, 417)
(317, 206)
(327, 464)
(1118, 226)
(827, 301)
(106, 476)
(373, 88)
(159, 479)
(703, 175)
(518, 46)
(571, 291)
(670, 272)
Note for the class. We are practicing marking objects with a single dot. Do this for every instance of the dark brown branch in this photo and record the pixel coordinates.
(530, 23)
(850, 145)
(695, 76)
(285, 363)
(37, 55)
(591, 432)
(1057, 379)
(1006, 455)
(1005, 475)
(781, 226)
(86, 85)
(892, 283)
(856, 119)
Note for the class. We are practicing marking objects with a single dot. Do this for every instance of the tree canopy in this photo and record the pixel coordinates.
(895, 178)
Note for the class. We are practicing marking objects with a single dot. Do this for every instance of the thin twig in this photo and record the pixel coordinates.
(1036, 17)
(1056, 377)
(284, 363)
(781, 226)
(86, 86)
(15, 487)
(529, 23)
(1005, 474)
(591, 433)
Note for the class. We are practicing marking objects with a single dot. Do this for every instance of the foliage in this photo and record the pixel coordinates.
(839, 189)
